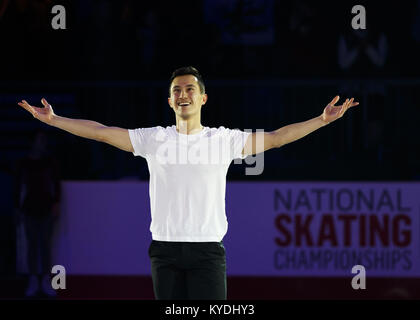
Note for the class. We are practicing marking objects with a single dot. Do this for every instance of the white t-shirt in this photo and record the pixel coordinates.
(188, 180)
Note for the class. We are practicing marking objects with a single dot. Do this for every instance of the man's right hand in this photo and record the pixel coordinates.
(44, 114)
(117, 137)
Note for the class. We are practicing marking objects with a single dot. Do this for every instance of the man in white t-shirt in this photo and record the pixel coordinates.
(188, 163)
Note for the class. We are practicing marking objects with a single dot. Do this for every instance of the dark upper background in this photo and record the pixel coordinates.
(265, 63)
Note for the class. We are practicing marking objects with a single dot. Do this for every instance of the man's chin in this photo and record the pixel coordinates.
(185, 115)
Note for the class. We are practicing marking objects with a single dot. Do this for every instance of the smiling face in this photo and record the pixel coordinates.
(186, 99)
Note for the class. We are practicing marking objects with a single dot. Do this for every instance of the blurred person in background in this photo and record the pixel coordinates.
(37, 201)
(364, 53)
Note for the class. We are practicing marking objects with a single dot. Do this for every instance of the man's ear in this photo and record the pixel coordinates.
(169, 102)
(205, 98)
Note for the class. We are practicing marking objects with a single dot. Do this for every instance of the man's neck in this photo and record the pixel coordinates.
(188, 126)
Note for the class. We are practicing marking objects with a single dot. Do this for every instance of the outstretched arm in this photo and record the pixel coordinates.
(114, 136)
(262, 141)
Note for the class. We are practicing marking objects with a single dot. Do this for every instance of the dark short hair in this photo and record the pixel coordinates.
(188, 70)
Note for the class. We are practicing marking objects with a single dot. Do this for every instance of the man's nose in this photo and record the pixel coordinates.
(183, 93)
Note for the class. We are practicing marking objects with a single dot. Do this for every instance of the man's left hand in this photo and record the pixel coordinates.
(333, 112)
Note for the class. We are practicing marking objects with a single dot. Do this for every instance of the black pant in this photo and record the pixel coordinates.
(188, 270)
(38, 236)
